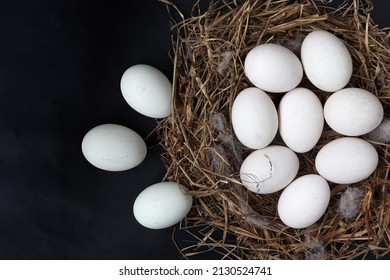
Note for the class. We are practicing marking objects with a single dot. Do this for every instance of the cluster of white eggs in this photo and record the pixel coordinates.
(114, 147)
(300, 118)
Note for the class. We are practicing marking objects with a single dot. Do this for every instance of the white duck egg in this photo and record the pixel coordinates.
(301, 119)
(304, 201)
(273, 68)
(269, 170)
(113, 147)
(346, 160)
(162, 205)
(147, 90)
(353, 111)
(254, 118)
(326, 61)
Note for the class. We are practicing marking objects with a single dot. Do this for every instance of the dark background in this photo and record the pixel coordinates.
(60, 66)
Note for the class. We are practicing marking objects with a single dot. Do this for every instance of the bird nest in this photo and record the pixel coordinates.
(202, 153)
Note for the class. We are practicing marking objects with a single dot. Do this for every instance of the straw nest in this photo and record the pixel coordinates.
(202, 153)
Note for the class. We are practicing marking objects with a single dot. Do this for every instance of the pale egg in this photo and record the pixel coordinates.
(346, 160)
(273, 68)
(326, 61)
(353, 111)
(269, 170)
(147, 90)
(113, 147)
(301, 119)
(254, 118)
(304, 201)
(162, 205)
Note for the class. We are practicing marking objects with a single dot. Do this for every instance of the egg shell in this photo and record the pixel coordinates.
(147, 90)
(326, 61)
(301, 119)
(353, 111)
(162, 205)
(273, 68)
(346, 160)
(304, 201)
(113, 147)
(254, 118)
(269, 170)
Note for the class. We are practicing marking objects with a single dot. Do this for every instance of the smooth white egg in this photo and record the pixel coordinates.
(304, 201)
(301, 119)
(113, 147)
(269, 170)
(273, 68)
(162, 205)
(346, 160)
(147, 90)
(326, 61)
(353, 111)
(254, 118)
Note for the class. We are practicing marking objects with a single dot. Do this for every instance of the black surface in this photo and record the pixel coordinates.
(60, 66)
